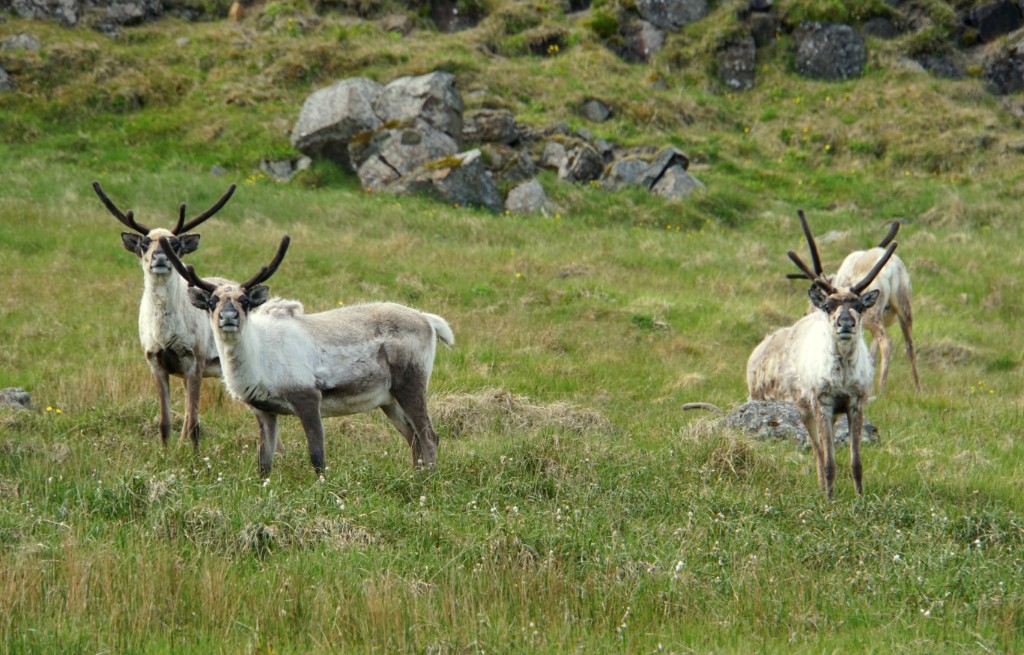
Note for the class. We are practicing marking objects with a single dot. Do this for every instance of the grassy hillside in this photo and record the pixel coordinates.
(574, 507)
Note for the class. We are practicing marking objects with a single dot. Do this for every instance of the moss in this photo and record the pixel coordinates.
(448, 161)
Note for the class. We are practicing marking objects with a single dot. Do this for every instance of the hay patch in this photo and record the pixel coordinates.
(498, 410)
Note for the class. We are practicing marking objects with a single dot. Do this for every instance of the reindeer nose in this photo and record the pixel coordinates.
(228, 317)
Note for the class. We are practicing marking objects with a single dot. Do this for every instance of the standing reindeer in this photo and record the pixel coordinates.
(895, 293)
(333, 363)
(821, 365)
(176, 338)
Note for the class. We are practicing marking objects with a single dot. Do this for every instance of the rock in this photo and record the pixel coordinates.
(21, 42)
(554, 156)
(15, 398)
(490, 126)
(133, 12)
(665, 159)
(6, 84)
(283, 170)
(994, 19)
(1004, 73)
(332, 116)
(595, 111)
(460, 180)
(944, 66)
(431, 98)
(672, 14)
(676, 183)
(829, 51)
(448, 16)
(737, 64)
(393, 153)
(508, 164)
(625, 172)
(770, 419)
(880, 27)
(763, 27)
(527, 198)
(583, 164)
(638, 41)
(66, 11)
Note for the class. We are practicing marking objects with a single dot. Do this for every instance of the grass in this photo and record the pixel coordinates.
(574, 506)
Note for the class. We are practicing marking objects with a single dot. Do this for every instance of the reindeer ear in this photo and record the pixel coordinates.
(869, 299)
(188, 243)
(132, 242)
(817, 296)
(199, 298)
(258, 295)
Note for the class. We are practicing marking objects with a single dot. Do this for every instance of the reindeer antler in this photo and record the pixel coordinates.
(264, 273)
(879, 265)
(808, 274)
(127, 219)
(186, 271)
(815, 259)
(182, 227)
(894, 227)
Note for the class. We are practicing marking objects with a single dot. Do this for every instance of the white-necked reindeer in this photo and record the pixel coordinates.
(333, 363)
(894, 297)
(821, 365)
(176, 337)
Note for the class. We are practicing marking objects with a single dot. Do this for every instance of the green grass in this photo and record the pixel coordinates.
(574, 506)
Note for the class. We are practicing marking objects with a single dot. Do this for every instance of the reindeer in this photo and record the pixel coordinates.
(822, 365)
(176, 339)
(332, 363)
(895, 293)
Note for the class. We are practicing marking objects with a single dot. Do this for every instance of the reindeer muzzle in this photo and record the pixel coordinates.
(159, 264)
(228, 319)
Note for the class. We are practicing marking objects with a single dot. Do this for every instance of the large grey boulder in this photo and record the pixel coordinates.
(625, 172)
(1004, 71)
(460, 180)
(737, 64)
(993, 19)
(21, 41)
(15, 398)
(772, 419)
(393, 153)
(66, 11)
(671, 15)
(131, 12)
(583, 164)
(490, 126)
(331, 117)
(527, 198)
(430, 98)
(829, 51)
(676, 183)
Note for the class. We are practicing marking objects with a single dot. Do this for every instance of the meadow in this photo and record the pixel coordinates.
(574, 506)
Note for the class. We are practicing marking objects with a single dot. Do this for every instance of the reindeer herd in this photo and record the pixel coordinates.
(279, 360)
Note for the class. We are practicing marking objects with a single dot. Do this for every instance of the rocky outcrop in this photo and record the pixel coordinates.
(829, 51)
(671, 15)
(770, 419)
(330, 118)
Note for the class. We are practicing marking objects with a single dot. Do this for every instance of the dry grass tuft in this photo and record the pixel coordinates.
(498, 410)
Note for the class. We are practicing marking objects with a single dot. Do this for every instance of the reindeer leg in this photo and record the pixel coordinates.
(409, 415)
(268, 440)
(855, 418)
(906, 322)
(826, 434)
(163, 394)
(811, 424)
(307, 408)
(885, 352)
(190, 428)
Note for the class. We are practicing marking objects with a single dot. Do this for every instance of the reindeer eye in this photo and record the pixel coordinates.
(244, 303)
(145, 243)
(212, 302)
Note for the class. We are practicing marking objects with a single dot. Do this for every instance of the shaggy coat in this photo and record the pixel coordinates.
(175, 337)
(344, 361)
